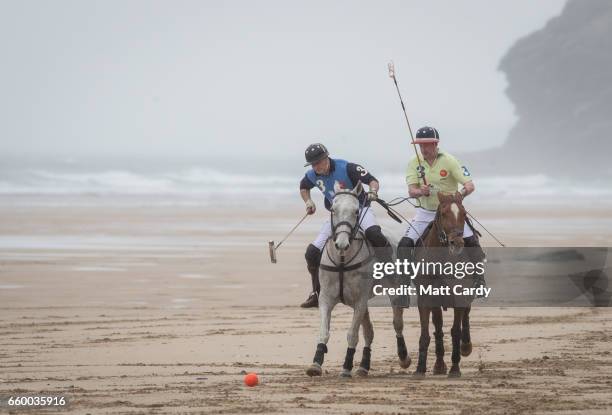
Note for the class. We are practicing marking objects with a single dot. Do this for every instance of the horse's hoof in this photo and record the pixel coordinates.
(418, 375)
(440, 368)
(361, 372)
(454, 373)
(405, 362)
(314, 370)
(466, 349)
(346, 374)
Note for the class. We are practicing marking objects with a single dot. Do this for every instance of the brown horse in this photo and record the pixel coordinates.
(444, 243)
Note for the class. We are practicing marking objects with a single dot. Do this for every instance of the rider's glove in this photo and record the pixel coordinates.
(310, 207)
(372, 196)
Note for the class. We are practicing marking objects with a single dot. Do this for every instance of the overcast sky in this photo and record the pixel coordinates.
(243, 78)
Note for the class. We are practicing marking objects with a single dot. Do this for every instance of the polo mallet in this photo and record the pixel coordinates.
(274, 248)
(392, 76)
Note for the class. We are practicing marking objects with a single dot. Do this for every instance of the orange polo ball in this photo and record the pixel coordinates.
(251, 379)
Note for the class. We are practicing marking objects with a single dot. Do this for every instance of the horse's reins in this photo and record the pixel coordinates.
(345, 266)
(443, 237)
(399, 200)
(396, 215)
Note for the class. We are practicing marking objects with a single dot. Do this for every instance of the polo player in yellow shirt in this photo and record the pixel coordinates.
(442, 173)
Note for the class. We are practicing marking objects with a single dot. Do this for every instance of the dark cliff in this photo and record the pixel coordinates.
(560, 82)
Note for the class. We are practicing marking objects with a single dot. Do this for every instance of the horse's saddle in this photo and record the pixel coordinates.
(419, 242)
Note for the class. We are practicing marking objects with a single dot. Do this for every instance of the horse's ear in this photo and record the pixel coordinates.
(358, 188)
(457, 197)
(441, 197)
(337, 187)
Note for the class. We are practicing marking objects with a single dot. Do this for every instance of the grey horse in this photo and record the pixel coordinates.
(345, 277)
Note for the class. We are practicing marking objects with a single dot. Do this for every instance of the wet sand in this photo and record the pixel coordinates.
(151, 308)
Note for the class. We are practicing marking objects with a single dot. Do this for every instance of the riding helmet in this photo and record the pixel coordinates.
(426, 135)
(314, 153)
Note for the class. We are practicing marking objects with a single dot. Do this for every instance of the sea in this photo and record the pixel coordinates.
(231, 181)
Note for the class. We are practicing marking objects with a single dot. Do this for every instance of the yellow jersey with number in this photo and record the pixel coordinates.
(445, 175)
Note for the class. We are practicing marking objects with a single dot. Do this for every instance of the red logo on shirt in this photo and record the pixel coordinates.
(443, 173)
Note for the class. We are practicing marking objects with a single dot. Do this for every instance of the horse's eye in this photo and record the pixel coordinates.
(357, 212)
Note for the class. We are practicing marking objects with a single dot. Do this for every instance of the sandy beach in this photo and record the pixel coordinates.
(128, 306)
(151, 153)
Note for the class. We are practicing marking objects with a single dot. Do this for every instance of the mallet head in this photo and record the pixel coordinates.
(391, 69)
(272, 252)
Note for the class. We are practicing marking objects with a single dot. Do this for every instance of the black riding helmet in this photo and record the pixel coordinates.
(314, 153)
(426, 135)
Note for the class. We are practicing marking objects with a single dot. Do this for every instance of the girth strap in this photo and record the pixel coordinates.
(341, 269)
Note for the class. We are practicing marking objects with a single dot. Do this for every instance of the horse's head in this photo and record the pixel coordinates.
(344, 215)
(450, 222)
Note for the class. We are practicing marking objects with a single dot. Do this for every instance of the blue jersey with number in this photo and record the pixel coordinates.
(326, 183)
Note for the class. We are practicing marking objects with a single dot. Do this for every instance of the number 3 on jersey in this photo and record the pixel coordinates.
(321, 185)
(420, 172)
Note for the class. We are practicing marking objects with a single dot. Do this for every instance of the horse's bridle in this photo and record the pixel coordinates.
(354, 228)
(443, 237)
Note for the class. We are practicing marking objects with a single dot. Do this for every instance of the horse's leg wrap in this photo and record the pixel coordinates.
(365, 358)
(313, 260)
(423, 346)
(456, 336)
(320, 354)
(348, 360)
(439, 343)
(402, 351)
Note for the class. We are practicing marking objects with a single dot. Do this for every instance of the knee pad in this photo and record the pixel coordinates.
(474, 249)
(313, 256)
(383, 249)
(405, 248)
(406, 242)
(375, 236)
(471, 241)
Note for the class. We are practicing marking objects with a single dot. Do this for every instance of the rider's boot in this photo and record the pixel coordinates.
(313, 259)
(384, 253)
(475, 254)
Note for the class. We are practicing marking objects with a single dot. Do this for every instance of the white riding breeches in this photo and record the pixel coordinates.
(422, 219)
(366, 217)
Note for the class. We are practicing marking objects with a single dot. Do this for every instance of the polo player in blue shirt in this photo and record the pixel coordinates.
(325, 173)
